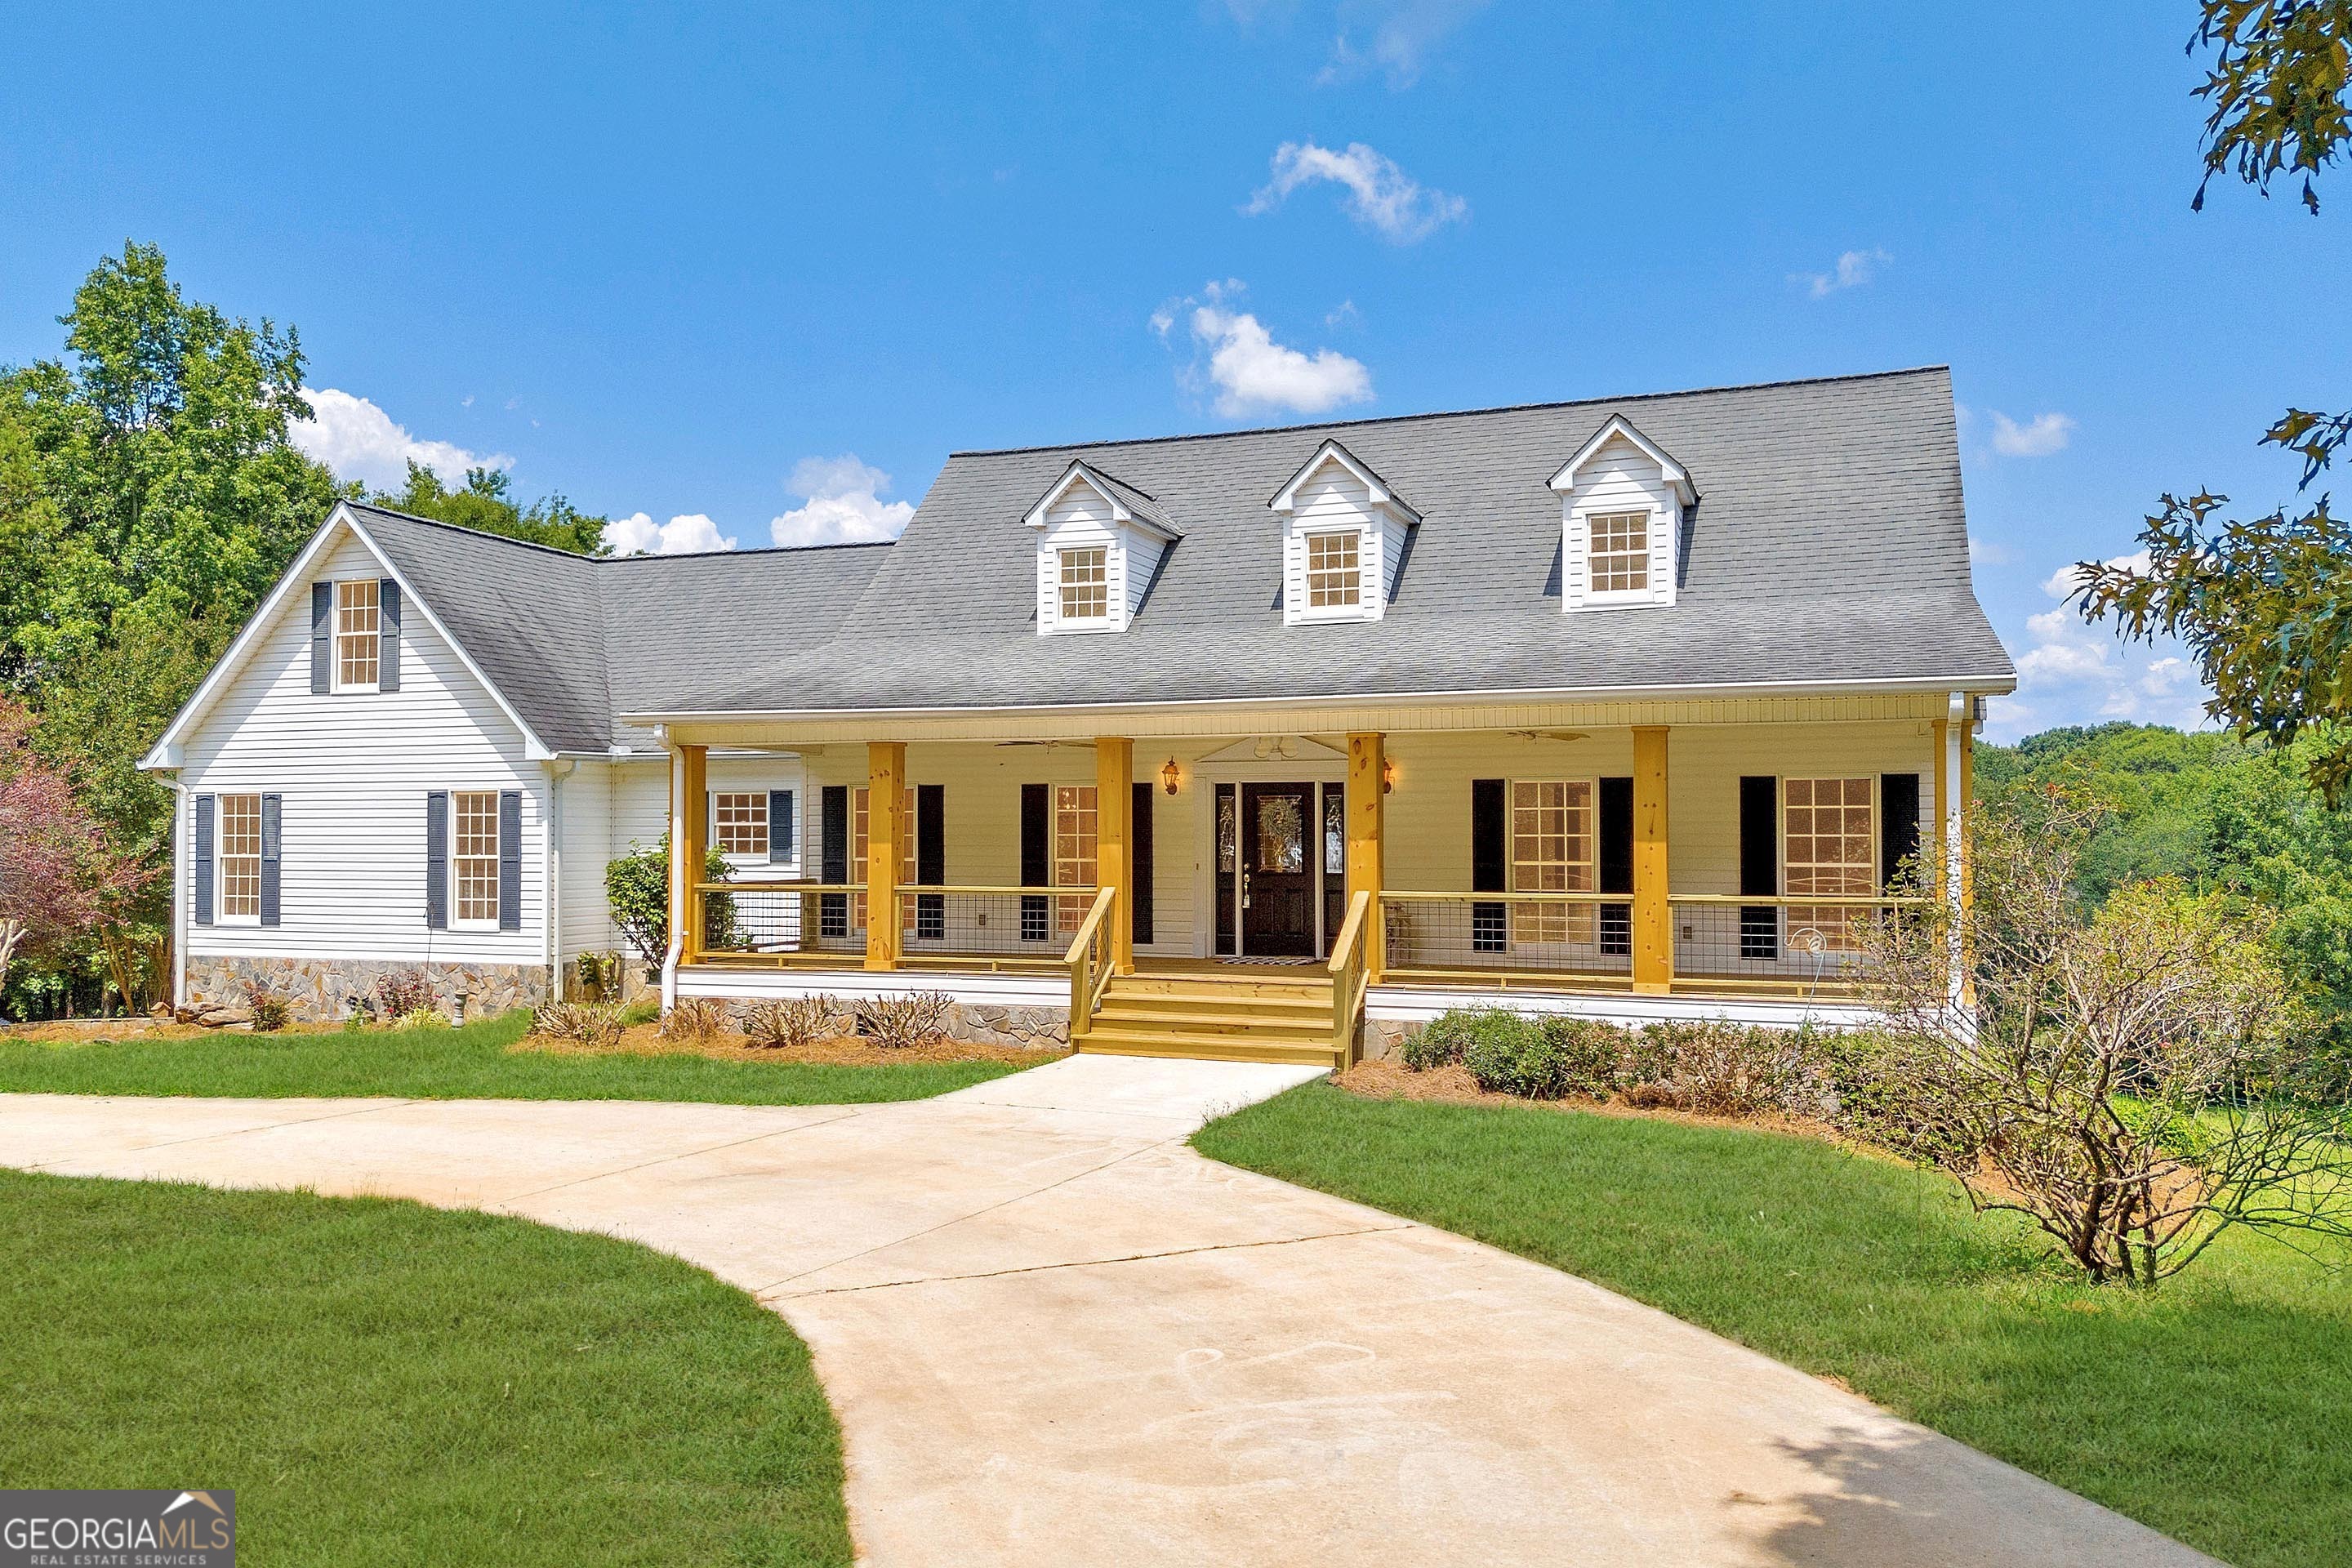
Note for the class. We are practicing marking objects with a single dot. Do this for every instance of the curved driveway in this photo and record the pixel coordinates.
(1055, 1335)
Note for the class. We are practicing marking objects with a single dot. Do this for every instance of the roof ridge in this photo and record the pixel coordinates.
(612, 560)
(1370, 419)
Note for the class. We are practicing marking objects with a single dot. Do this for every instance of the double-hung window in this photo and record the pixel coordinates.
(1335, 572)
(1618, 561)
(1552, 837)
(1074, 851)
(739, 823)
(359, 629)
(1085, 583)
(240, 858)
(473, 858)
(1833, 848)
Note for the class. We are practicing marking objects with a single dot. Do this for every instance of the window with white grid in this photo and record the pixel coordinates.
(1086, 584)
(358, 629)
(1551, 852)
(739, 823)
(1073, 850)
(240, 857)
(1335, 573)
(1833, 847)
(859, 819)
(474, 856)
(1618, 556)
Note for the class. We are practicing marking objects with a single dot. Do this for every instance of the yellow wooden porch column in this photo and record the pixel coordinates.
(690, 848)
(1654, 919)
(886, 841)
(1115, 842)
(1367, 838)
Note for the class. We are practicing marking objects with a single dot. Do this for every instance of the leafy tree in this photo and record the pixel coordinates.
(636, 890)
(2262, 603)
(59, 875)
(487, 502)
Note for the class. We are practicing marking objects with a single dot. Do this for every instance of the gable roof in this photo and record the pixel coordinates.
(1333, 451)
(1130, 503)
(1830, 548)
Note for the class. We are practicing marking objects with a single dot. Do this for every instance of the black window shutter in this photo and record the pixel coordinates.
(780, 826)
(1489, 864)
(436, 860)
(1036, 859)
(322, 639)
(204, 860)
(1898, 830)
(1759, 866)
(1139, 905)
(272, 809)
(833, 828)
(509, 859)
(387, 637)
(1616, 866)
(930, 860)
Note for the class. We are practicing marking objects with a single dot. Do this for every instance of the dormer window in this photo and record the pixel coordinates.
(1622, 498)
(1344, 530)
(358, 634)
(1100, 541)
(1086, 584)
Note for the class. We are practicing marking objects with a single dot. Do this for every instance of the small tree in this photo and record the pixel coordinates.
(2135, 1080)
(59, 874)
(636, 890)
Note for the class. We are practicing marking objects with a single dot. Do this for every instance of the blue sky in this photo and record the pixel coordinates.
(754, 275)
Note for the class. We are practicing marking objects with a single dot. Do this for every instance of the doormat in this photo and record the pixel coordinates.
(1260, 963)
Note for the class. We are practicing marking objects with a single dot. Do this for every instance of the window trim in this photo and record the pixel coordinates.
(458, 921)
(1581, 926)
(1618, 598)
(1070, 913)
(221, 912)
(338, 636)
(760, 799)
(1871, 883)
(1063, 585)
(1351, 609)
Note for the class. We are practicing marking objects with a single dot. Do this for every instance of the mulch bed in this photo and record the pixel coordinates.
(1391, 1080)
(89, 1031)
(648, 1040)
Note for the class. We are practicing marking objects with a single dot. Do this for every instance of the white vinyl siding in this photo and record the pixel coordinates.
(1082, 519)
(353, 778)
(1620, 483)
(1331, 503)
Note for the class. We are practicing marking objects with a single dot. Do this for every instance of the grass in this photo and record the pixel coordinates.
(381, 1380)
(2212, 1409)
(468, 1063)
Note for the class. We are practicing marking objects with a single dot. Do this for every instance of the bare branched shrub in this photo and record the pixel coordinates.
(897, 1022)
(793, 1021)
(2135, 1080)
(399, 992)
(1719, 1069)
(585, 1022)
(695, 1020)
(271, 1012)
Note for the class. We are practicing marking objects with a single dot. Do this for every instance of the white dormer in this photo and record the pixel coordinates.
(1622, 517)
(1342, 540)
(1100, 543)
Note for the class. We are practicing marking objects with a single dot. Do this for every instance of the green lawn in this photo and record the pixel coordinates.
(2213, 1408)
(470, 1063)
(384, 1382)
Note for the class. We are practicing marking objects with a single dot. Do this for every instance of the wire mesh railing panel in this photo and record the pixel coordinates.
(1783, 944)
(783, 917)
(1548, 934)
(995, 923)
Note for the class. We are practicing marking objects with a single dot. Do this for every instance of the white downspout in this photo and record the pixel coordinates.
(677, 838)
(552, 870)
(181, 893)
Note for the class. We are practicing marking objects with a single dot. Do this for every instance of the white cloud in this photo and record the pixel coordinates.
(2077, 672)
(1983, 552)
(1381, 195)
(360, 441)
(1854, 268)
(689, 533)
(1398, 36)
(1253, 374)
(2037, 437)
(844, 504)
(2062, 583)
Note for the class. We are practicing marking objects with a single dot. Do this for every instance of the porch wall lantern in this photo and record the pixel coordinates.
(1387, 776)
(1170, 774)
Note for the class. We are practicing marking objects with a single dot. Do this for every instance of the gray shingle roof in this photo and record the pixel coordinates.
(1828, 544)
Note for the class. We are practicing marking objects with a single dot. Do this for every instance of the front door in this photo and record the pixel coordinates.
(1277, 889)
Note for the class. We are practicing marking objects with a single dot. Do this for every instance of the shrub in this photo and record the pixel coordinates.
(584, 1022)
(270, 1011)
(794, 1021)
(896, 1023)
(695, 1019)
(421, 1018)
(1440, 1041)
(1591, 1055)
(399, 992)
(1720, 1067)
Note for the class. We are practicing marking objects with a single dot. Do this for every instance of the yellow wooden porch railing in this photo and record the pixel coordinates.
(1089, 959)
(1351, 974)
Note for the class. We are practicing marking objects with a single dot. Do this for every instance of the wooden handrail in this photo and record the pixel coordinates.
(1399, 896)
(1351, 977)
(1086, 987)
(1810, 900)
(773, 885)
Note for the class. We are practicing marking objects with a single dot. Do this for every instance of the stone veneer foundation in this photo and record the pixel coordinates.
(322, 990)
(995, 1024)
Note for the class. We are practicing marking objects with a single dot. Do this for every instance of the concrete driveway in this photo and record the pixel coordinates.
(1057, 1336)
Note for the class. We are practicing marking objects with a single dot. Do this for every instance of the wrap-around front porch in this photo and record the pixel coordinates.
(1302, 895)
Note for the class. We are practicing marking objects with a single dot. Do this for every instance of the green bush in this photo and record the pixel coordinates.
(1590, 1053)
(1441, 1040)
(1724, 1068)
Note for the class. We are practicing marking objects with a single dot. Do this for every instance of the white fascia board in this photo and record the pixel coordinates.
(168, 752)
(1122, 514)
(1673, 472)
(1286, 500)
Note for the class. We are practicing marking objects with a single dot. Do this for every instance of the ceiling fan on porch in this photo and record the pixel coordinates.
(1550, 734)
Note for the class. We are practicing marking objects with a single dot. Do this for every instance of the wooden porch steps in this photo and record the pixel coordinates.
(1208, 1016)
